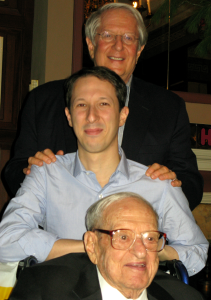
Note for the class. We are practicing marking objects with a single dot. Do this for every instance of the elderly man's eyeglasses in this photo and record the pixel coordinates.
(123, 239)
(127, 38)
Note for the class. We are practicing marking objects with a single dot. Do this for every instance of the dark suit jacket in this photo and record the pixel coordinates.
(73, 277)
(157, 130)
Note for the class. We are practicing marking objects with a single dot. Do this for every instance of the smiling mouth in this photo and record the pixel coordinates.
(139, 266)
(116, 58)
(93, 131)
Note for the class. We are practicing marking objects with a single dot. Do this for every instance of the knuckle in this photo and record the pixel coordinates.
(46, 150)
(30, 159)
(165, 169)
(37, 154)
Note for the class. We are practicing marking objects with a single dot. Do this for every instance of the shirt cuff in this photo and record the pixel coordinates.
(193, 257)
(38, 243)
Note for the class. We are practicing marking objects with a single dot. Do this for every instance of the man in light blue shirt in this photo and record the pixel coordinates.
(56, 196)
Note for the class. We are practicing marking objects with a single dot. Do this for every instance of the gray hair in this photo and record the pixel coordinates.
(93, 22)
(95, 211)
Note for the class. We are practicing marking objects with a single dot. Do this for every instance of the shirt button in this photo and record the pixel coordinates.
(100, 196)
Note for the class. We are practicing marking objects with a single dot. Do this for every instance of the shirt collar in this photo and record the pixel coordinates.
(123, 164)
(78, 166)
(108, 292)
(129, 81)
(122, 167)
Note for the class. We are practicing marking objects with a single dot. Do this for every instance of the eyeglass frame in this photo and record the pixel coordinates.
(115, 35)
(111, 233)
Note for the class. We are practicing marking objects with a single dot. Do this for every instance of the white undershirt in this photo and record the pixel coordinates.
(108, 292)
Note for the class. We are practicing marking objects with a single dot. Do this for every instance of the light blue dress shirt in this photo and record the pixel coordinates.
(56, 197)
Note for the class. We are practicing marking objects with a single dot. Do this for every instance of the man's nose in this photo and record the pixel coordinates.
(118, 43)
(92, 114)
(138, 249)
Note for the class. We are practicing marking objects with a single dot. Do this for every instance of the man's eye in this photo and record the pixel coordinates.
(151, 239)
(123, 237)
(107, 35)
(81, 105)
(128, 37)
(104, 104)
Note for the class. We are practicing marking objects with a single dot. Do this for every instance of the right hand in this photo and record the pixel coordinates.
(46, 156)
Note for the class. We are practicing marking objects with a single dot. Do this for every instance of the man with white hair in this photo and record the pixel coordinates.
(122, 242)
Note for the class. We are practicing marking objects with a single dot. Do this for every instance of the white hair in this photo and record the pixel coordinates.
(95, 211)
(93, 22)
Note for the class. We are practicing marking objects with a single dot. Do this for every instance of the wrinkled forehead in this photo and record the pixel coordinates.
(131, 211)
(115, 14)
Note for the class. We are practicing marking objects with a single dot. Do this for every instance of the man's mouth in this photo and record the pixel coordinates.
(93, 131)
(116, 58)
(136, 265)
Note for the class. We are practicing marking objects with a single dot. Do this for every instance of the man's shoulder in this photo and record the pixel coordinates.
(63, 162)
(136, 165)
(64, 266)
(50, 86)
(69, 260)
(66, 162)
(176, 288)
(47, 94)
(154, 92)
(66, 159)
(57, 277)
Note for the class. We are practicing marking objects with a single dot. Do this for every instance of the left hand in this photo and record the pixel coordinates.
(163, 173)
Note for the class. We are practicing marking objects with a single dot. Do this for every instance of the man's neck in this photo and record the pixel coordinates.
(103, 164)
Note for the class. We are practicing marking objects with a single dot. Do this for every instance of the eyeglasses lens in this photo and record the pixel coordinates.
(123, 240)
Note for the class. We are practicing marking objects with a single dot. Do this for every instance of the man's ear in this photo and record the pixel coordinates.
(123, 115)
(90, 242)
(68, 115)
(91, 48)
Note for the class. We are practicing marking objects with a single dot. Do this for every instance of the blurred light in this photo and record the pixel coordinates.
(135, 4)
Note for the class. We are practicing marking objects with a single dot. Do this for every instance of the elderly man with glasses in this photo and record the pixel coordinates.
(122, 243)
(157, 129)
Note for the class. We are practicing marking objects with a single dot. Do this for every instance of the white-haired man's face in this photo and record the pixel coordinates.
(130, 271)
(116, 55)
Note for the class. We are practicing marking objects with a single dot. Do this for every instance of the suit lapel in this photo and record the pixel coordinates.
(156, 292)
(87, 287)
(140, 111)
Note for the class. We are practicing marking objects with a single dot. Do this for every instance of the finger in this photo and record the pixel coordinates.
(49, 153)
(161, 170)
(60, 152)
(47, 156)
(152, 169)
(34, 161)
(168, 175)
(176, 183)
(26, 171)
